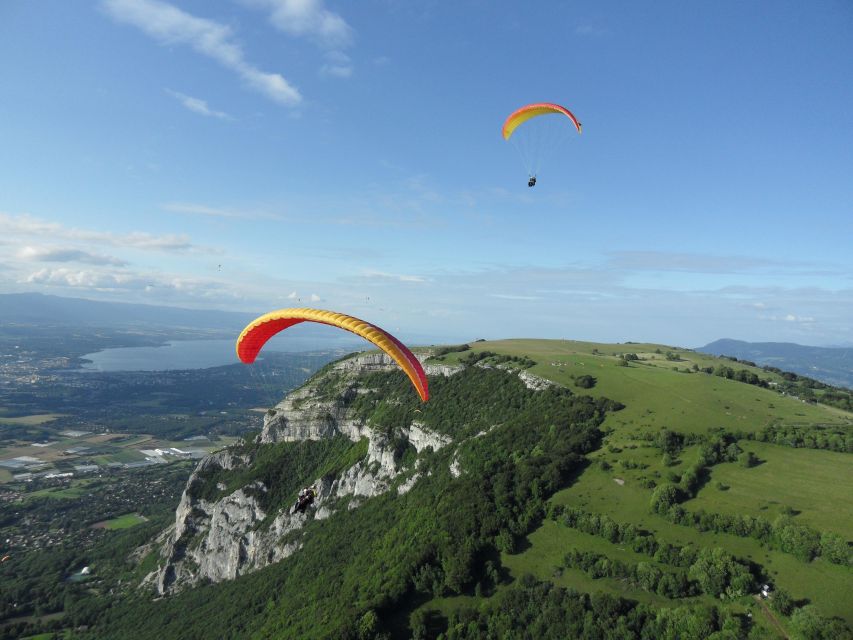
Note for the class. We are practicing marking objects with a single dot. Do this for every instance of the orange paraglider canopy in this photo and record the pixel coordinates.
(529, 111)
(261, 329)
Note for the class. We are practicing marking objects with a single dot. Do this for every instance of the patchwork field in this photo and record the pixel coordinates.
(121, 522)
(61, 453)
(33, 420)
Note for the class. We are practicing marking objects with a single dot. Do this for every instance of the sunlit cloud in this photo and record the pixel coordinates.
(48, 254)
(28, 226)
(120, 283)
(170, 25)
(307, 18)
(86, 279)
(197, 105)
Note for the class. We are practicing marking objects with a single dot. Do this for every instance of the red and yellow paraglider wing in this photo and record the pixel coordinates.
(529, 111)
(256, 334)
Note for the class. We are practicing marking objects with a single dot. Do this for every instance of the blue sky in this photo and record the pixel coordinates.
(255, 154)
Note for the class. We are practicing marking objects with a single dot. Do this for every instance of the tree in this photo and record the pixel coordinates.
(663, 497)
(834, 548)
(797, 539)
(585, 382)
(747, 459)
(810, 625)
(367, 625)
(782, 602)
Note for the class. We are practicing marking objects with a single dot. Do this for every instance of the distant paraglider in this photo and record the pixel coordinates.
(260, 330)
(536, 140)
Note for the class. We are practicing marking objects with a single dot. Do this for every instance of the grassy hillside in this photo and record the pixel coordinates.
(574, 516)
(661, 390)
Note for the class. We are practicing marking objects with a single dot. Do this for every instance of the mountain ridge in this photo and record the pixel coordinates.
(540, 461)
(833, 365)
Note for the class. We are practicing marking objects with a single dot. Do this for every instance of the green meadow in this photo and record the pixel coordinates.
(125, 521)
(663, 390)
(816, 485)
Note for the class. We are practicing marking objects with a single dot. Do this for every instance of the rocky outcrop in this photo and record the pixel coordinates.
(534, 382)
(233, 535)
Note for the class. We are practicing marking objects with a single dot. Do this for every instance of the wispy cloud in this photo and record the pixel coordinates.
(160, 287)
(399, 277)
(307, 18)
(28, 226)
(697, 262)
(197, 105)
(508, 296)
(47, 254)
(311, 19)
(170, 25)
(590, 31)
(338, 64)
(194, 209)
(87, 279)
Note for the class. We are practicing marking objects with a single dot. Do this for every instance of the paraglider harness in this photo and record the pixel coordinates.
(305, 500)
(532, 181)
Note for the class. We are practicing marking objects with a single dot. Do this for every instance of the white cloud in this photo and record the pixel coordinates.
(28, 226)
(46, 254)
(508, 296)
(170, 25)
(292, 296)
(198, 105)
(307, 18)
(86, 279)
(338, 64)
(199, 210)
(123, 283)
(381, 275)
(315, 298)
(190, 208)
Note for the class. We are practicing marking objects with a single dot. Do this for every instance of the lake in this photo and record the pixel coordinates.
(202, 354)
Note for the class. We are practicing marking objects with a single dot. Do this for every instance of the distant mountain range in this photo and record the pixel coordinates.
(833, 365)
(40, 309)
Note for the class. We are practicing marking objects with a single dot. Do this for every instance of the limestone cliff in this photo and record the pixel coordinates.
(221, 539)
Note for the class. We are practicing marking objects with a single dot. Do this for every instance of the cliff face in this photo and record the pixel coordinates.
(220, 540)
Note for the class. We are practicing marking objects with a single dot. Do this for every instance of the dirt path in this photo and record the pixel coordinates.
(772, 618)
